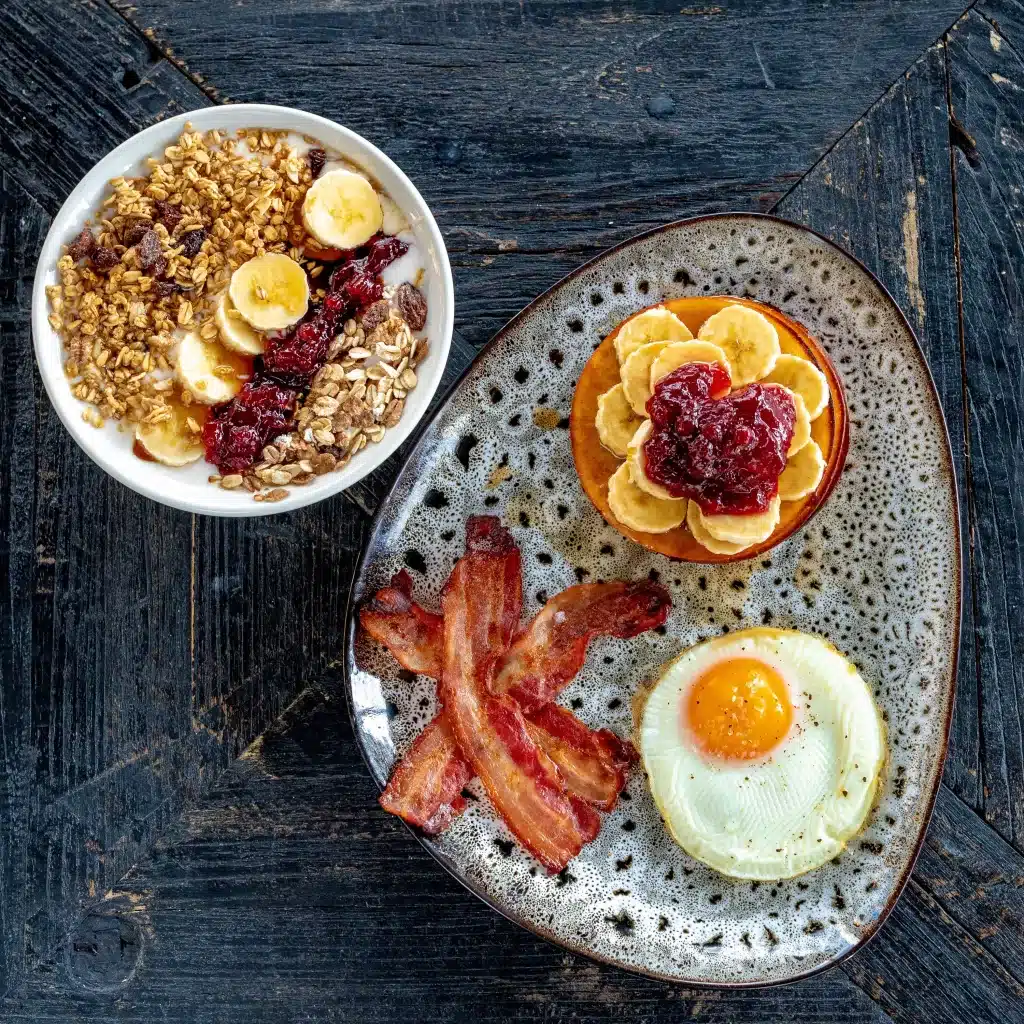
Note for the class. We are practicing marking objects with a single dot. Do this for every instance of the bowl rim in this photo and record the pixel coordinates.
(47, 344)
(379, 522)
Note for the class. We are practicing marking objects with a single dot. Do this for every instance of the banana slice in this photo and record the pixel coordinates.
(342, 210)
(171, 441)
(704, 539)
(616, 422)
(639, 510)
(803, 473)
(744, 530)
(235, 333)
(679, 352)
(657, 324)
(207, 370)
(637, 467)
(271, 291)
(802, 426)
(802, 377)
(748, 338)
(636, 375)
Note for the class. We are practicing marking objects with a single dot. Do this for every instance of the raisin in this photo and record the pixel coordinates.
(168, 214)
(134, 233)
(317, 158)
(191, 242)
(149, 250)
(165, 288)
(82, 245)
(159, 268)
(104, 258)
(412, 305)
(375, 315)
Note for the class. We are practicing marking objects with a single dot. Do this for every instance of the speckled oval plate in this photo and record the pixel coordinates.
(877, 572)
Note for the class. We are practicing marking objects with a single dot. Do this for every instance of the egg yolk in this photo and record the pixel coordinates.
(739, 709)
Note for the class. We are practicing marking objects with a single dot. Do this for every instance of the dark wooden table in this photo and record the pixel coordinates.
(187, 832)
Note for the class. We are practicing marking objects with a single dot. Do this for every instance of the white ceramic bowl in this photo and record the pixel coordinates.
(187, 488)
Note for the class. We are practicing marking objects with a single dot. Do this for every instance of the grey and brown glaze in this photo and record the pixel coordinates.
(876, 572)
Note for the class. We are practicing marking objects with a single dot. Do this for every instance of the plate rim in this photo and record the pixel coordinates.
(869, 932)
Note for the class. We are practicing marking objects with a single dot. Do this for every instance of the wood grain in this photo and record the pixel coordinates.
(542, 133)
(76, 80)
(885, 194)
(987, 91)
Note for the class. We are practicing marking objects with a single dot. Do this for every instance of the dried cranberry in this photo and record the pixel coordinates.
(297, 356)
(168, 214)
(375, 315)
(134, 233)
(191, 242)
(317, 158)
(149, 250)
(82, 246)
(412, 305)
(103, 258)
(336, 304)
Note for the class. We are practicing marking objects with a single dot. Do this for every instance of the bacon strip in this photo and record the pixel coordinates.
(521, 781)
(552, 649)
(426, 787)
(592, 763)
(412, 634)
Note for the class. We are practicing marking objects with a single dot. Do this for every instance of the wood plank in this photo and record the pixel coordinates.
(885, 194)
(924, 966)
(987, 88)
(75, 81)
(977, 877)
(22, 226)
(542, 133)
(288, 895)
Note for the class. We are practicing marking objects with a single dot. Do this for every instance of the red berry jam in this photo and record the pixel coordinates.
(237, 431)
(724, 451)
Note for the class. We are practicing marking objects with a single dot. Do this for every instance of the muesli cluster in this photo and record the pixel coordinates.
(232, 303)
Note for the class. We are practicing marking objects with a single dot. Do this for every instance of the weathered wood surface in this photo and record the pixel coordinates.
(141, 650)
(542, 133)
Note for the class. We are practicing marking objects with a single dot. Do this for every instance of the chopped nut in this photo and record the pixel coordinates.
(275, 495)
(323, 462)
(375, 315)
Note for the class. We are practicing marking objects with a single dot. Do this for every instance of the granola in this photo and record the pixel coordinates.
(151, 272)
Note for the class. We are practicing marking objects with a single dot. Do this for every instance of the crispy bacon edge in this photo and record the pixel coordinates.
(523, 783)
(412, 634)
(553, 647)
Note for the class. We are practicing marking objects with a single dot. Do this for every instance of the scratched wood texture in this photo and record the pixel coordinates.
(145, 872)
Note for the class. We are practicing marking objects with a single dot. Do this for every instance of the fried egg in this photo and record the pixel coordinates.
(763, 749)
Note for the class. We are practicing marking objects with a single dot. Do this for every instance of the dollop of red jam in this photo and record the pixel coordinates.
(237, 431)
(724, 451)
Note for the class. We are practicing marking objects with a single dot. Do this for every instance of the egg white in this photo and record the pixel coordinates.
(793, 809)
